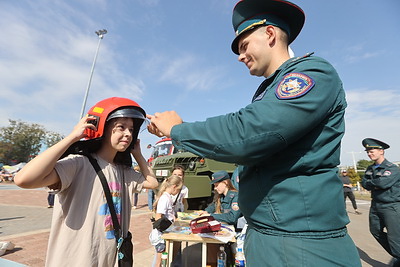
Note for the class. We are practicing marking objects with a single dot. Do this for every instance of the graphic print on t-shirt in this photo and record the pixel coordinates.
(115, 189)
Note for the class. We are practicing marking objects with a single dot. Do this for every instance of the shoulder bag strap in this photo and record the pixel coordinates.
(177, 196)
(107, 193)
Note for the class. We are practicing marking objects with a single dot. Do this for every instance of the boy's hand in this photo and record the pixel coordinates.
(136, 151)
(79, 130)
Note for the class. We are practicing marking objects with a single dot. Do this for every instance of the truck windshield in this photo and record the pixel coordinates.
(163, 149)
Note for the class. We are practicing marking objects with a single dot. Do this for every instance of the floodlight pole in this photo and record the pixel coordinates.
(354, 160)
(100, 34)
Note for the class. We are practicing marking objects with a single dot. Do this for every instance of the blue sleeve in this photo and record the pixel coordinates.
(366, 180)
(229, 218)
(233, 215)
(390, 176)
(269, 124)
(210, 208)
(235, 177)
(366, 183)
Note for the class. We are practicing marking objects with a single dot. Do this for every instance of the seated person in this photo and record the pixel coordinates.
(225, 206)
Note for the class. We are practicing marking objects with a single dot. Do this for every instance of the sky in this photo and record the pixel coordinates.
(175, 55)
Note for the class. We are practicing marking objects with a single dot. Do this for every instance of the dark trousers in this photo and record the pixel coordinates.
(150, 199)
(135, 199)
(386, 215)
(351, 197)
(50, 199)
(279, 250)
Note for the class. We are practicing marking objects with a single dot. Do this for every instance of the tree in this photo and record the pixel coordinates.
(363, 164)
(52, 138)
(20, 141)
(4, 149)
(353, 175)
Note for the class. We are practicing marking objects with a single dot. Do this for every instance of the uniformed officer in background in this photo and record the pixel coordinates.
(383, 180)
(287, 140)
(225, 206)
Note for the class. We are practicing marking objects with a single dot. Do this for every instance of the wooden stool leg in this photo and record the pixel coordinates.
(203, 254)
(169, 249)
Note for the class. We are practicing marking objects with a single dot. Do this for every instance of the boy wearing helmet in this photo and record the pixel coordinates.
(82, 233)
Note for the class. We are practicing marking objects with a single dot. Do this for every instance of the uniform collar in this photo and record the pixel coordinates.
(261, 90)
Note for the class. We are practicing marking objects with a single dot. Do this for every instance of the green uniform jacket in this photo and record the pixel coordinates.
(289, 147)
(383, 182)
(230, 212)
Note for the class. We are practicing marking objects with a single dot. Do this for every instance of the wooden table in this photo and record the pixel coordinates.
(195, 238)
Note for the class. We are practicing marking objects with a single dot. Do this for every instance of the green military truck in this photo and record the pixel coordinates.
(198, 171)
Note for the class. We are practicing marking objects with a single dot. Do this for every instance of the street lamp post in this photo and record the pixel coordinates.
(100, 34)
(354, 160)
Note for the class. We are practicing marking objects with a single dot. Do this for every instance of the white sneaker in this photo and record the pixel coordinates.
(7, 245)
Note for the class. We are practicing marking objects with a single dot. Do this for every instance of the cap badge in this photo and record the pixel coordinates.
(261, 22)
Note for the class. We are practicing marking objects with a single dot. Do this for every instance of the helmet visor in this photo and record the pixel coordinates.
(127, 113)
(138, 115)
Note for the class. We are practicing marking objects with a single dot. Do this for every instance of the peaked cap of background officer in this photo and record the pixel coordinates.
(219, 177)
(370, 143)
(249, 14)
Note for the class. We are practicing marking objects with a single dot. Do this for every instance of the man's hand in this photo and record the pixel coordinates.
(162, 123)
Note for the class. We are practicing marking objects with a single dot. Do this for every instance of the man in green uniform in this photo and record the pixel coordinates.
(383, 180)
(287, 140)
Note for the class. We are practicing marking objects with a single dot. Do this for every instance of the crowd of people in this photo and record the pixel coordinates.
(286, 143)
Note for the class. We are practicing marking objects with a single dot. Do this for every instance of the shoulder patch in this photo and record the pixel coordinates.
(235, 206)
(294, 85)
(387, 173)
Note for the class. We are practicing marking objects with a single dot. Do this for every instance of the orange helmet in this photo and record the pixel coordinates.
(114, 107)
(103, 111)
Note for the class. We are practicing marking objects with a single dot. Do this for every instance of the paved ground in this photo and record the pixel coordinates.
(25, 220)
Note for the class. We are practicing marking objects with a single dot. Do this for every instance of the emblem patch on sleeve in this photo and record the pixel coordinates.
(235, 206)
(294, 85)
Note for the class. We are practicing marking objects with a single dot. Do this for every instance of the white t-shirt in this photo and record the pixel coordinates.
(81, 230)
(179, 206)
(164, 206)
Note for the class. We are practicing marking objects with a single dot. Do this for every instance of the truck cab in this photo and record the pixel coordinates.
(162, 148)
(198, 171)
